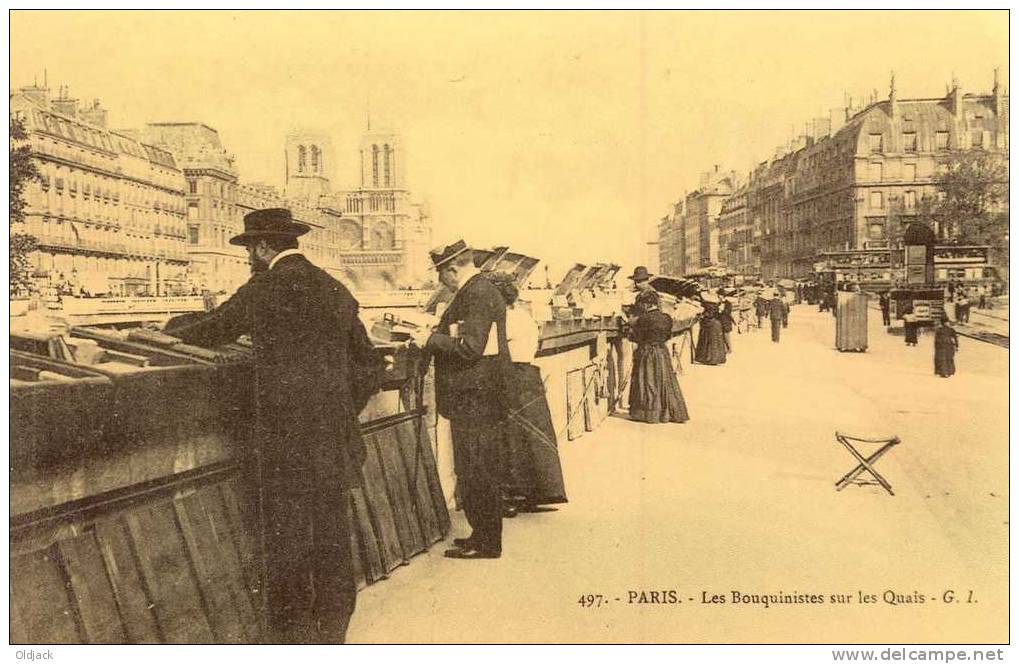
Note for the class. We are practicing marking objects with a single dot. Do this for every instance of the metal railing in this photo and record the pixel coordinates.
(91, 306)
(392, 298)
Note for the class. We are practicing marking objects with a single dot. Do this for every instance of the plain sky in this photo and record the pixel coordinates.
(564, 134)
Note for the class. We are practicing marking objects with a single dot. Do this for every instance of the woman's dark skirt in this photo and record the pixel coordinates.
(655, 396)
(533, 470)
(710, 342)
(944, 359)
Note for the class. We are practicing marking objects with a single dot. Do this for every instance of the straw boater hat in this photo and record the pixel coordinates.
(709, 296)
(271, 222)
(442, 255)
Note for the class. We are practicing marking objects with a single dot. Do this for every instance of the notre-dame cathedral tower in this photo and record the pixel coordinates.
(374, 237)
(309, 163)
(382, 217)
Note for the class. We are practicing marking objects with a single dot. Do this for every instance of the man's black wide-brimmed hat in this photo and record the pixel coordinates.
(640, 274)
(271, 222)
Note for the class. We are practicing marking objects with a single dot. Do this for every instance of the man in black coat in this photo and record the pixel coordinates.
(471, 364)
(778, 310)
(315, 370)
(884, 301)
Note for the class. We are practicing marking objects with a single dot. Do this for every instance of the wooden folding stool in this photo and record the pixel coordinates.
(865, 463)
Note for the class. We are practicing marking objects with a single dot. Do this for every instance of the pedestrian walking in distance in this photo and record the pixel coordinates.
(777, 314)
(910, 326)
(946, 345)
(962, 305)
(760, 308)
(885, 302)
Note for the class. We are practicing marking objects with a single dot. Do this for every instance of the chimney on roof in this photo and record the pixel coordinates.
(94, 114)
(996, 92)
(893, 102)
(38, 94)
(65, 104)
(955, 98)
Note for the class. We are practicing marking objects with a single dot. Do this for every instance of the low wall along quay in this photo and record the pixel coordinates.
(128, 520)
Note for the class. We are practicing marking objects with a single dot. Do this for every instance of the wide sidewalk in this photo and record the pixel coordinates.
(742, 498)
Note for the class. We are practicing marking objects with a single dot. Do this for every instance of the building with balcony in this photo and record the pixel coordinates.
(210, 197)
(853, 180)
(900, 147)
(108, 210)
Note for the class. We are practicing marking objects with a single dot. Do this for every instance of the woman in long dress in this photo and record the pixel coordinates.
(711, 337)
(534, 475)
(655, 396)
(946, 344)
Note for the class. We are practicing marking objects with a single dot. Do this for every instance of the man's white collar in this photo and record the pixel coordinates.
(284, 254)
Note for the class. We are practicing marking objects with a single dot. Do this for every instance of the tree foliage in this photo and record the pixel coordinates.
(975, 205)
(22, 172)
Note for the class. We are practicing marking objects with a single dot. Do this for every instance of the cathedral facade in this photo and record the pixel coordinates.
(381, 235)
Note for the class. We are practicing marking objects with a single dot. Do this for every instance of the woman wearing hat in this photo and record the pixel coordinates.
(946, 345)
(711, 347)
(655, 396)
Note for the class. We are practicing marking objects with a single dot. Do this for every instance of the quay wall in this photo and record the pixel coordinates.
(131, 517)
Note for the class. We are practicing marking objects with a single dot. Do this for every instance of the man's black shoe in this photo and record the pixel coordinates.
(508, 511)
(463, 542)
(536, 509)
(472, 554)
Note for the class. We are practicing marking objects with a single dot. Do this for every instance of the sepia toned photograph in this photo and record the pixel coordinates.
(510, 327)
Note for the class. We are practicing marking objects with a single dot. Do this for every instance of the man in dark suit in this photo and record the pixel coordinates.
(885, 302)
(471, 363)
(315, 370)
(778, 311)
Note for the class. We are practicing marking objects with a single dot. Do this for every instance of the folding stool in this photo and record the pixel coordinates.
(865, 463)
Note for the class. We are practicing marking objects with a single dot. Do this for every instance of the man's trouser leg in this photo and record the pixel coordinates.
(334, 589)
(311, 588)
(478, 439)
